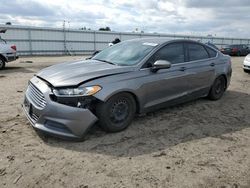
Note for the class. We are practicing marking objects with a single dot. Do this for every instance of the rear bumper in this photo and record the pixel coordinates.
(231, 53)
(234, 53)
(11, 57)
(56, 119)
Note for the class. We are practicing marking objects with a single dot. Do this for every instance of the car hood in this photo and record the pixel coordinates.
(75, 73)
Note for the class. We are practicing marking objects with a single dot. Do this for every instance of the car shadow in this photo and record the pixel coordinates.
(168, 127)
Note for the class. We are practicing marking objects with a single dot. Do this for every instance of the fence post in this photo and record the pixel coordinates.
(64, 41)
(120, 34)
(94, 41)
(30, 43)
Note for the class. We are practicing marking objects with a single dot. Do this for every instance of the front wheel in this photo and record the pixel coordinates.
(218, 88)
(117, 113)
(2, 63)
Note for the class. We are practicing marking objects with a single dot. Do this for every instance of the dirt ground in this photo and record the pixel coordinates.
(198, 144)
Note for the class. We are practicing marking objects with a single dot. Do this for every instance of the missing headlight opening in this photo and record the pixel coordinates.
(87, 102)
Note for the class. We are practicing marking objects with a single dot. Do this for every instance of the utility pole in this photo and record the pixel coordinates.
(64, 38)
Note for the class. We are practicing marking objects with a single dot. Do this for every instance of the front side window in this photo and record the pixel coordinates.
(211, 52)
(174, 53)
(197, 52)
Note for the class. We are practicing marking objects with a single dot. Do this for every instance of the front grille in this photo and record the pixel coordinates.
(34, 117)
(36, 96)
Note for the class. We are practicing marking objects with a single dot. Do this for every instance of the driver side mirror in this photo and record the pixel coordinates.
(160, 64)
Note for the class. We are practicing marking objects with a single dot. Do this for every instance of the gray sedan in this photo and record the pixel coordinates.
(132, 77)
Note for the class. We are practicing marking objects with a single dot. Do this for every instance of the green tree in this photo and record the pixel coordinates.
(104, 29)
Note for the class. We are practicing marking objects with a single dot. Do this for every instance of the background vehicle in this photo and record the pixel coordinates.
(135, 76)
(236, 49)
(7, 52)
(246, 63)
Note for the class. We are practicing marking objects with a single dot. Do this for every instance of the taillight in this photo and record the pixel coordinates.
(13, 47)
(235, 49)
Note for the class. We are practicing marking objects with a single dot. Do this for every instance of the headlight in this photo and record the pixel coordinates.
(74, 92)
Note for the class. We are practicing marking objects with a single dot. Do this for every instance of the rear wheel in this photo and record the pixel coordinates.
(2, 63)
(117, 113)
(246, 71)
(218, 88)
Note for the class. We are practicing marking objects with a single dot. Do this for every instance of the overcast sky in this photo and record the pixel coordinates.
(229, 18)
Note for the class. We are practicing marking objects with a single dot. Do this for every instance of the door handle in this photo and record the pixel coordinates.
(182, 68)
(212, 64)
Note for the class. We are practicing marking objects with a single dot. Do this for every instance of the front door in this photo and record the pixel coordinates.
(166, 85)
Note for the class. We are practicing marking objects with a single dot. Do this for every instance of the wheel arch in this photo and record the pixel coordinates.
(136, 100)
(135, 97)
(224, 76)
(3, 58)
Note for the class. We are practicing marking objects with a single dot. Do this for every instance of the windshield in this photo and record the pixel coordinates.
(125, 53)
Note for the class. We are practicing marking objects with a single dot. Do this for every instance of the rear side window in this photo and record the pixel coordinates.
(212, 53)
(197, 52)
(174, 53)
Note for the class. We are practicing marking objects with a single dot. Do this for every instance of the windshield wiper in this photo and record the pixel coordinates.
(105, 61)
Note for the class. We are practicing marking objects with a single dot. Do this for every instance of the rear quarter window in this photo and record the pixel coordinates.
(212, 53)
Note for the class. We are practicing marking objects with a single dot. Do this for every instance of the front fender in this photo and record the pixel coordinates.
(107, 92)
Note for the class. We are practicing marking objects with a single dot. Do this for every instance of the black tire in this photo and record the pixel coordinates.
(117, 113)
(218, 88)
(2, 63)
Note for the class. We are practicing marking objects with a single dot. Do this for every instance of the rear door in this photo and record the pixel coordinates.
(201, 68)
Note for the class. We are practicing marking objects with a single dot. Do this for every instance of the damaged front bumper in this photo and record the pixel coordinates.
(52, 117)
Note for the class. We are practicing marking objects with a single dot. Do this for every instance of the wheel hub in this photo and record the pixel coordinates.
(119, 111)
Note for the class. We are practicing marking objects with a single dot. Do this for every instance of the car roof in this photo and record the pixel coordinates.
(162, 40)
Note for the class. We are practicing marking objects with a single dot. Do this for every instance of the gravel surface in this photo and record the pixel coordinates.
(197, 144)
